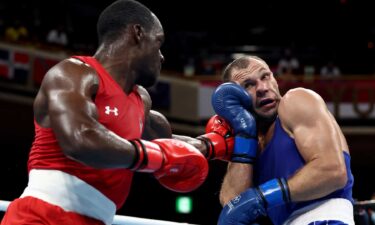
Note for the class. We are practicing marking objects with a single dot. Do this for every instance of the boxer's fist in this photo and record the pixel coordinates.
(232, 102)
(244, 209)
(177, 165)
(218, 125)
(254, 202)
(218, 139)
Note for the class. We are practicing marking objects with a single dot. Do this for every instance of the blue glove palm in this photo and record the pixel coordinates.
(252, 203)
(243, 209)
(232, 102)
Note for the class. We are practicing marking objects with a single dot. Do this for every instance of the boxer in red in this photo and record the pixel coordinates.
(90, 114)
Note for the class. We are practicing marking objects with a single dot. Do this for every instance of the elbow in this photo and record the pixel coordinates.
(332, 173)
(339, 177)
(73, 151)
(69, 148)
(76, 145)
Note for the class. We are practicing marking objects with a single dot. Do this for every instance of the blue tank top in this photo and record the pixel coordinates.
(281, 158)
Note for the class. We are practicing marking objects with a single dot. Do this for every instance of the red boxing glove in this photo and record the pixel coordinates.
(218, 139)
(177, 165)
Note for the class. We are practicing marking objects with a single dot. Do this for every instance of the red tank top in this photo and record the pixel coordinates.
(123, 114)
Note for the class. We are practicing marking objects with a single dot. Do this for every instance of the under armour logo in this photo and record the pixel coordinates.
(108, 110)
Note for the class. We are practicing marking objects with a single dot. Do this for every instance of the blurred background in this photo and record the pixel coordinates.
(327, 46)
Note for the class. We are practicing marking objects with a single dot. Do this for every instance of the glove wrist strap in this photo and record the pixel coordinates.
(275, 192)
(217, 146)
(149, 157)
(245, 149)
(139, 159)
(210, 153)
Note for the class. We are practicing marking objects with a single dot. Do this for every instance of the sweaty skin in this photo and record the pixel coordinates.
(65, 101)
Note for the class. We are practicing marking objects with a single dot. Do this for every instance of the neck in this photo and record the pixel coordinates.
(263, 128)
(265, 124)
(265, 133)
(116, 66)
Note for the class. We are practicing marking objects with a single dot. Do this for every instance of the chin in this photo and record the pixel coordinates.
(147, 81)
(269, 116)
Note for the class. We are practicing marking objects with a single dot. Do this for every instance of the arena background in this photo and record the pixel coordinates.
(207, 34)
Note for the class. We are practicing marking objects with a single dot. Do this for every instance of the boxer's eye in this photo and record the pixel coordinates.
(248, 84)
(265, 76)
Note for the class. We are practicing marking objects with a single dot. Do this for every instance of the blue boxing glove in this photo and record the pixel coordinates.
(231, 101)
(252, 203)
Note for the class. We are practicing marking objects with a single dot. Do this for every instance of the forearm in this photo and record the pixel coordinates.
(193, 141)
(99, 148)
(315, 180)
(237, 179)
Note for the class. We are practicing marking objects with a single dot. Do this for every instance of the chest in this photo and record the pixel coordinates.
(123, 114)
(279, 158)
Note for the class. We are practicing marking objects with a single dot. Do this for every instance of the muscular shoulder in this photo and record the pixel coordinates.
(69, 77)
(300, 94)
(70, 73)
(300, 105)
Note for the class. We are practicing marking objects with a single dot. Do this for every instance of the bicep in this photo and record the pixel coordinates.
(70, 105)
(70, 108)
(311, 126)
(316, 139)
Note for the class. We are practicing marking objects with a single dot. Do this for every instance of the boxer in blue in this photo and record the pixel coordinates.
(301, 173)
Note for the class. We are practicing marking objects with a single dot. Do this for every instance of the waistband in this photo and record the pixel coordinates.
(332, 209)
(70, 193)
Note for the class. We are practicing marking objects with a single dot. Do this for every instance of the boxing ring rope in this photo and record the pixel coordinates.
(368, 204)
(118, 220)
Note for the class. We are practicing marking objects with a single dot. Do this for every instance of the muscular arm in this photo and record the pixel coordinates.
(157, 125)
(65, 104)
(320, 142)
(193, 141)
